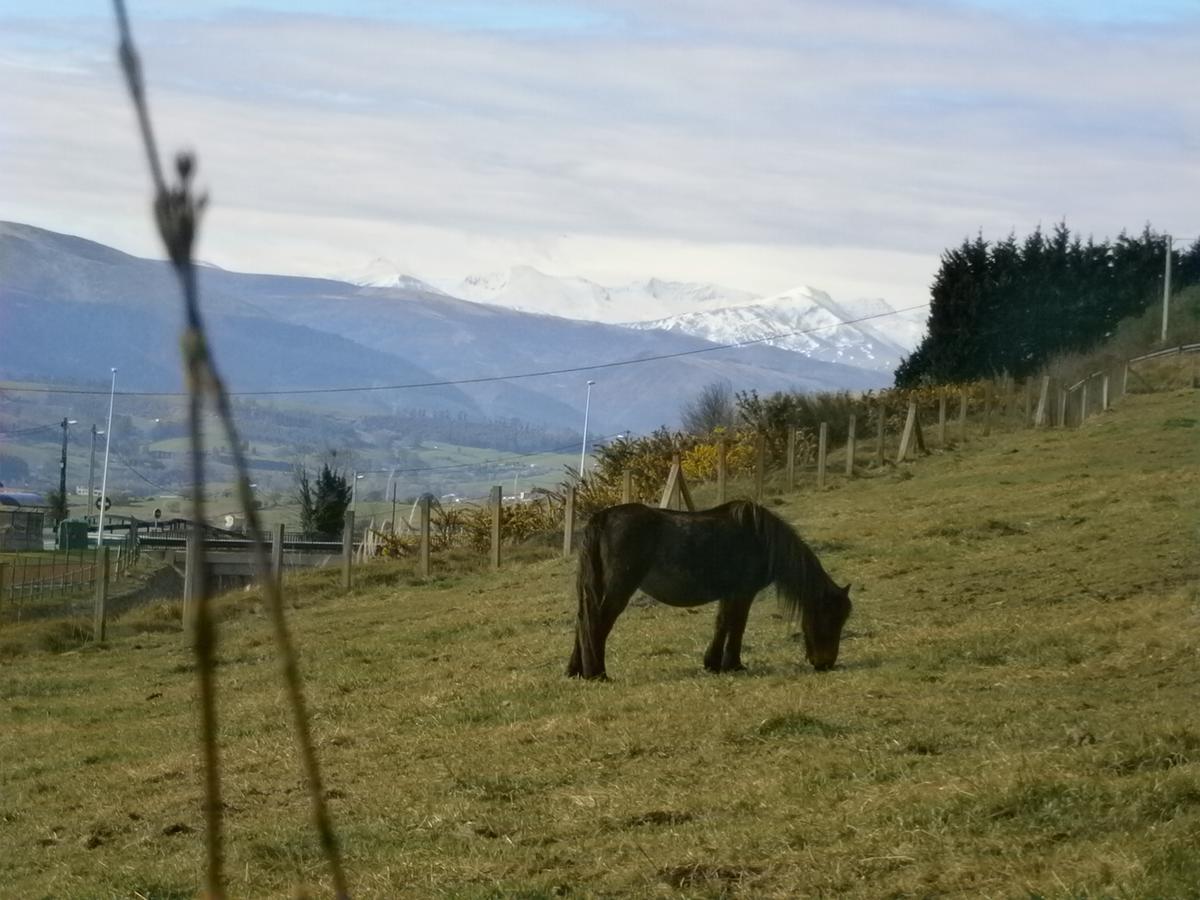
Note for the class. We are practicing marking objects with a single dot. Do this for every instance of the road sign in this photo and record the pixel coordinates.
(157, 514)
(107, 503)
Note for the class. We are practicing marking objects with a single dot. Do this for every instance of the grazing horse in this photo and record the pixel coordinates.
(726, 554)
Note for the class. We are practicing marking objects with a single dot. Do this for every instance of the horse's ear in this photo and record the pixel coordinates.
(846, 589)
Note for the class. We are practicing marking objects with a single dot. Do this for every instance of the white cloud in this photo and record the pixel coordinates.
(838, 144)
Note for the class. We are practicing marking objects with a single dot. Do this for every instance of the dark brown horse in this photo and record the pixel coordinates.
(726, 554)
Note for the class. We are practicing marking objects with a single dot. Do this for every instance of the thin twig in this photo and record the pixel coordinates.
(177, 212)
(177, 215)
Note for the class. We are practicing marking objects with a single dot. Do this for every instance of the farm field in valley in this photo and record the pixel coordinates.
(1012, 715)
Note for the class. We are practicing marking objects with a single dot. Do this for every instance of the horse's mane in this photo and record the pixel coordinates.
(800, 579)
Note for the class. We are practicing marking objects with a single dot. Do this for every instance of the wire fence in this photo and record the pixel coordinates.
(58, 583)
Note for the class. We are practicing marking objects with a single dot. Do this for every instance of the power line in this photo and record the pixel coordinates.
(482, 462)
(409, 471)
(121, 458)
(484, 379)
(28, 430)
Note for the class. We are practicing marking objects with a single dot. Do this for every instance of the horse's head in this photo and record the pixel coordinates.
(822, 624)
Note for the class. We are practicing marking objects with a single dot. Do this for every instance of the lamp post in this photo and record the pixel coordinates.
(587, 408)
(354, 492)
(104, 477)
(62, 468)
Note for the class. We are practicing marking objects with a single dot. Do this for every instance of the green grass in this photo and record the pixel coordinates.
(1013, 714)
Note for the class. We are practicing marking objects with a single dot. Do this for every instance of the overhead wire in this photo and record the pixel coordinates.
(485, 379)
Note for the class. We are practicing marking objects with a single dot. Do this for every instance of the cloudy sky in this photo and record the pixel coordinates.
(760, 144)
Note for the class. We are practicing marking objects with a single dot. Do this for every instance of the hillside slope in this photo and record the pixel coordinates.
(1013, 713)
(61, 294)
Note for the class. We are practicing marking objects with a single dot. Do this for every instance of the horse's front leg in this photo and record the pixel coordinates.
(736, 614)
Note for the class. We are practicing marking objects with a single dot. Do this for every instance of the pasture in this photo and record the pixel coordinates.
(1013, 713)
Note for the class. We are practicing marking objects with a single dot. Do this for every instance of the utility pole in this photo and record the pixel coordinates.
(62, 468)
(1170, 242)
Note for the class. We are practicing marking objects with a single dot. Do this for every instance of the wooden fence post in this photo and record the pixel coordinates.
(348, 551)
(568, 522)
(882, 415)
(850, 436)
(676, 493)
(277, 556)
(1104, 392)
(910, 421)
(423, 508)
(1083, 402)
(760, 467)
(1062, 407)
(496, 503)
(791, 459)
(962, 416)
(1043, 404)
(5, 580)
(942, 421)
(1125, 381)
(100, 620)
(722, 470)
(822, 446)
(191, 578)
(626, 486)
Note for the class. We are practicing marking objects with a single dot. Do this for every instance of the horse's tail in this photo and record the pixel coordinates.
(589, 590)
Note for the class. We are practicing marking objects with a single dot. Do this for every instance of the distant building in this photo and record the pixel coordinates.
(22, 518)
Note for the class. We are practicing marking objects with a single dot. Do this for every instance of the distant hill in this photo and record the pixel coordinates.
(73, 307)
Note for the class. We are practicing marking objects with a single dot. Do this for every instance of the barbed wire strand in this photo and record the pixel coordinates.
(177, 213)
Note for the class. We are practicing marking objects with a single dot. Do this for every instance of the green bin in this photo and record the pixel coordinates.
(72, 534)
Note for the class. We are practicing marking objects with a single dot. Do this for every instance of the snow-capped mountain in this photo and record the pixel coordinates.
(529, 290)
(866, 333)
(381, 272)
(808, 321)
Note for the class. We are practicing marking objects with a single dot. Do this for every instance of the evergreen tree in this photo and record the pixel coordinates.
(323, 505)
(1011, 306)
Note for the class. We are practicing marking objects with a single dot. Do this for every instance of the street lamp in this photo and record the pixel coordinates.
(104, 477)
(354, 492)
(587, 407)
(62, 468)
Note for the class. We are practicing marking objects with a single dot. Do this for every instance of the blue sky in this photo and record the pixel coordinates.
(561, 15)
(837, 143)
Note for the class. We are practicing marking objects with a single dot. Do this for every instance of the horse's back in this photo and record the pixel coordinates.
(680, 558)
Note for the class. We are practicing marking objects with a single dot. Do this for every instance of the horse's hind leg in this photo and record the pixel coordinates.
(575, 665)
(593, 627)
(616, 598)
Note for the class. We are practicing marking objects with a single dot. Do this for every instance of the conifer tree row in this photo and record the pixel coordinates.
(1009, 306)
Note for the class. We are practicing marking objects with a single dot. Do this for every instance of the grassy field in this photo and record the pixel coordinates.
(1013, 714)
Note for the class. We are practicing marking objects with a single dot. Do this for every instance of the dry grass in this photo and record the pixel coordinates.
(1014, 714)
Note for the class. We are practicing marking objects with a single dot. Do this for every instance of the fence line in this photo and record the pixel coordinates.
(73, 578)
